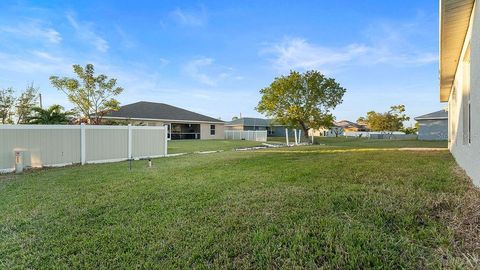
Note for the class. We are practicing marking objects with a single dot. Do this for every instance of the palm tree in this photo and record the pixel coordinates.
(53, 115)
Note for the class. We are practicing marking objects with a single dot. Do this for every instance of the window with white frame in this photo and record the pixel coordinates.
(212, 130)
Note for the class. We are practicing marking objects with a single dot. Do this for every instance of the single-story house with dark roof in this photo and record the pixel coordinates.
(334, 131)
(250, 123)
(339, 128)
(433, 126)
(349, 126)
(247, 123)
(182, 124)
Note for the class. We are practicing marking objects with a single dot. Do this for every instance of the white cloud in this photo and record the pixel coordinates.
(296, 53)
(394, 44)
(34, 63)
(85, 32)
(189, 17)
(46, 56)
(206, 71)
(196, 69)
(399, 43)
(33, 29)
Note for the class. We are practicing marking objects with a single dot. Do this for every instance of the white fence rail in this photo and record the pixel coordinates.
(248, 135)
(58, 145)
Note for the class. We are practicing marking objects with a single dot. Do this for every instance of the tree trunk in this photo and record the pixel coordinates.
(305, 130)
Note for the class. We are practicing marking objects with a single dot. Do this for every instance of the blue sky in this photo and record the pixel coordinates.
(213, 57)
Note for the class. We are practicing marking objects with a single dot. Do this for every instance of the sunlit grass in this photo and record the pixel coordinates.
(354, 208)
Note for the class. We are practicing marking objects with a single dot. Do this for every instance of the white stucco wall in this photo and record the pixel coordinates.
(205, 132)
(467, 154)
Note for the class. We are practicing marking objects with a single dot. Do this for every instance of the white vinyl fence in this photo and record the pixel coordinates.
(59, 145)
(248, 135)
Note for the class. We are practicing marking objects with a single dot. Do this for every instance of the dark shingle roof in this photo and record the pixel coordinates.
(158, 111)
(348, 124)
(442, 114)
(249, 121)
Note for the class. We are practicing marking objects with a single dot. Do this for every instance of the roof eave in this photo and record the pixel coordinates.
(454, 22)
(161, 120)
(431, 118)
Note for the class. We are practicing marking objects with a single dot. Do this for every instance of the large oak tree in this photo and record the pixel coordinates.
(301, 100)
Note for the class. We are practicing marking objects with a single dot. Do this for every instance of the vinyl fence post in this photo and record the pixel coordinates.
(82, 144)
(166, 140)
(295, 136)
(129, 141)
(286, 135)
(299, 136)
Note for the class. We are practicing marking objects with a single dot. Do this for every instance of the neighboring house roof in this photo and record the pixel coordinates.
(438, 115)
(249, 121)
(348, 124)
(144, 110)
(273, 122)
(454, 21)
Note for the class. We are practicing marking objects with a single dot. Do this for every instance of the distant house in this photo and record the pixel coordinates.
(182, 124)
(334, 131)
(338, 129)
(250, 123)
(247, 123)
(349, 126)
(433, 126)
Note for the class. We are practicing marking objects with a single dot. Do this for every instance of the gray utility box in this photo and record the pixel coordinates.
(19, 155)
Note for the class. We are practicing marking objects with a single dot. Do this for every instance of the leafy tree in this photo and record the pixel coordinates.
(361, 120)
(234, 118)
(412, 130)
(55, 114)
(25, 104)
(387, 121)
(336, 130)
(301, 100)
(7, 101)
(93, 96)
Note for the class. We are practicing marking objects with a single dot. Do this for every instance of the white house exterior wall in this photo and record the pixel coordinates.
(205, 132)
(204, 127)
(465, 153)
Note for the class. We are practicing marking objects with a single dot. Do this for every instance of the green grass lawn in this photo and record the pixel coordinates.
(381, 209)
(189, 146)
(367, 143)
